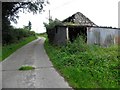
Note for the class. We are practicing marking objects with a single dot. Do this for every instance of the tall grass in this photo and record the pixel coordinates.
(9, 49)
(86, 66)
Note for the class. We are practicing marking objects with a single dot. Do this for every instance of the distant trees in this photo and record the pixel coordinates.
(29, 26)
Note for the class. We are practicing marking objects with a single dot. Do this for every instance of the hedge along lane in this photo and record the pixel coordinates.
(7, 50)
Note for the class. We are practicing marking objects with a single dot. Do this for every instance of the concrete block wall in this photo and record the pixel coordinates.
(60, 35)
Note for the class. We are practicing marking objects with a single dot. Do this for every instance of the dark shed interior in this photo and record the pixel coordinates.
(75, 31)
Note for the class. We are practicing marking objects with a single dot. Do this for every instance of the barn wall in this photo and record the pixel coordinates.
(103, 36)
(60, 35)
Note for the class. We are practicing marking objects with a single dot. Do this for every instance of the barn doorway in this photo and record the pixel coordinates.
(76, 31)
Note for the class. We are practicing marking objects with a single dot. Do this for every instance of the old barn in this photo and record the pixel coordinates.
(77, 25)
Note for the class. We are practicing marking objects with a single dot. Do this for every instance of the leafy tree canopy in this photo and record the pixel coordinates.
(10, 10)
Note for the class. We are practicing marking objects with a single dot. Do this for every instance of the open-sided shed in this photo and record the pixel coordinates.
(77, 25)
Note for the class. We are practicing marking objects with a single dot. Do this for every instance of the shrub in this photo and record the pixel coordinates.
(52, 24)
(13, 35)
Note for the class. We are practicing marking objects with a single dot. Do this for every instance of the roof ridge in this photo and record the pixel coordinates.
(79, 18)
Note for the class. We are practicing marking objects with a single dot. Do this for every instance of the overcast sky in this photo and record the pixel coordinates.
(101, 12)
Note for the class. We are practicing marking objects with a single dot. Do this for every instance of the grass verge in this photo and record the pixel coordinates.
(9, 49)
(42, 35)
(85, 66)
(24, 68)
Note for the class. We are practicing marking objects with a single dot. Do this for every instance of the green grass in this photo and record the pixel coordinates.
(42, 35)
(24, 68)
(9, 49)
(0, 52)
(86, 66)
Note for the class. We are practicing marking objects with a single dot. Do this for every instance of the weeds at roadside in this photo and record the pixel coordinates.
(85, 66)
(24, 68)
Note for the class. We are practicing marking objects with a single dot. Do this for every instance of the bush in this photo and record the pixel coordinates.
(13, 35)
(52, 24)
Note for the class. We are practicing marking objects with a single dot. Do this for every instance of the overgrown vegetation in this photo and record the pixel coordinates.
(51, 28)
(85, 66)
(52, 24)
(24, 68)
(9, 49)
(0, 53)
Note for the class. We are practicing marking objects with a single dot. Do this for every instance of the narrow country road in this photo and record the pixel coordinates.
(44, 76)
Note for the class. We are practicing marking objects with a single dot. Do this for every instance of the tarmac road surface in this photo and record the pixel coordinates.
(44, 76)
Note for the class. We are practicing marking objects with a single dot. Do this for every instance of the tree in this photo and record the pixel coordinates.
(29, 25)
(10, 12)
